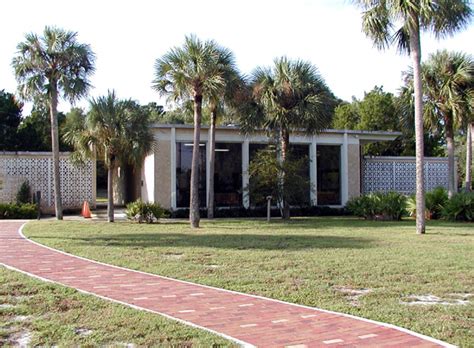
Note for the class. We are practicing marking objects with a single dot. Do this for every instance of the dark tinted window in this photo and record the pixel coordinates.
(329, 174)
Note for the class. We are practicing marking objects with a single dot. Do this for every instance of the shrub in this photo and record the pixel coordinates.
(363, 206)
(460, 207)
(18, 211)
(24, 193)
(411, 205)
(435, 202)
(383, 206)
(144, 212)
(392, 205)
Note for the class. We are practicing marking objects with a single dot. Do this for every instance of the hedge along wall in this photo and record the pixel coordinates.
(383, 174)
(78, 182)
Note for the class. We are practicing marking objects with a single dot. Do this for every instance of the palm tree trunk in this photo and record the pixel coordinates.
(110, 189)
(55, 147)
(470, 128)
(450, 146)
(285, 141)
(212, 157)
(415, 53)
(194, 199)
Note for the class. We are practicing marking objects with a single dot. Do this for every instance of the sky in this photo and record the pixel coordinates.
(128, 36)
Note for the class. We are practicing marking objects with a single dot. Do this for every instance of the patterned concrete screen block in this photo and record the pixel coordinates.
(382, 174)
(78, 182)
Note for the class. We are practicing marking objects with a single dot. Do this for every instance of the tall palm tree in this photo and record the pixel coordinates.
(401, 22)
(447, 90)
(49, 67)
(292, 96)
(192, 71)
(114, 130)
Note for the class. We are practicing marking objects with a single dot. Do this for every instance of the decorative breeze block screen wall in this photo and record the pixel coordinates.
(382, 174)
(77, 181)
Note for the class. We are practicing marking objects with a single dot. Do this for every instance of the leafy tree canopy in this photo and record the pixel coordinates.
(10, 118)
(382, 111)
(34, 132)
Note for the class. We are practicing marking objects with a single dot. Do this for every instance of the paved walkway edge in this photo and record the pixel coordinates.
(244, 344)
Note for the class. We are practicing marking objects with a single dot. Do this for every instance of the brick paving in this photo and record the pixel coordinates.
(246, 319)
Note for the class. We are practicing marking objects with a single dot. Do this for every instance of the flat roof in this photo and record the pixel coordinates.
(237, 128)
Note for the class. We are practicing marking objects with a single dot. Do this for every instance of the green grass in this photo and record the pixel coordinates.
(304, 261)
(53, 314)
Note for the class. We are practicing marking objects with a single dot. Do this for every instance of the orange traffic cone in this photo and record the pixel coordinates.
(86, 212)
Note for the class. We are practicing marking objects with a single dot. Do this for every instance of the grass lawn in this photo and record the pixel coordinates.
(35, 313)
(320, 262)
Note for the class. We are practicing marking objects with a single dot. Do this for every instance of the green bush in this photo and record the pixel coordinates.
(411, 205)
(435, 202)
(379, 206)
(23, 195)
(144, 212)
(363, 206)
(460, 207)
(392, 205)
(18, 211)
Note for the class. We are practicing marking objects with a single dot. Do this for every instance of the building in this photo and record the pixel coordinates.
(334, 165)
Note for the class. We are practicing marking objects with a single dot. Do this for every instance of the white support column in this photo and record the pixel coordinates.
(245, 174)
(313, 171)
(173, 167)
(344, 171)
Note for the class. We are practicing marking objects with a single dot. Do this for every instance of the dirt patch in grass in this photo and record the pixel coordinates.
(430, 300)
(352, 295)
(173, 256)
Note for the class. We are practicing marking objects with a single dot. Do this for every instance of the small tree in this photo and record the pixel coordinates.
(264, 172)
(23, 195)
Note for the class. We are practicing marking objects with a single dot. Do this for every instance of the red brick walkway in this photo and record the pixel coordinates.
(245, 319)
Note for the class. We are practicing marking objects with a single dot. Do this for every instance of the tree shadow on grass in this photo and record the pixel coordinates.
(336, 223)
(222, 241)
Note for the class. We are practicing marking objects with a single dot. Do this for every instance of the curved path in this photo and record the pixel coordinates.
(245, 319)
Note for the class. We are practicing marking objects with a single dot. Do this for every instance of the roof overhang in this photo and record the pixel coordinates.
(365, 137)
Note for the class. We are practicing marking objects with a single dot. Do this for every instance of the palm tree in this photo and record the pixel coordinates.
(47, 68)
(400, 22)
(447, 90)
(291, 96)
(191, 72)
(114, 130)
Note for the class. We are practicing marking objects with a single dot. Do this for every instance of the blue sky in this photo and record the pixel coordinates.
(128, 36)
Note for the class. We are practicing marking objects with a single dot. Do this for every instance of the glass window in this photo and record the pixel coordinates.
(228, 174)
(329, 174)
(184, 155)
